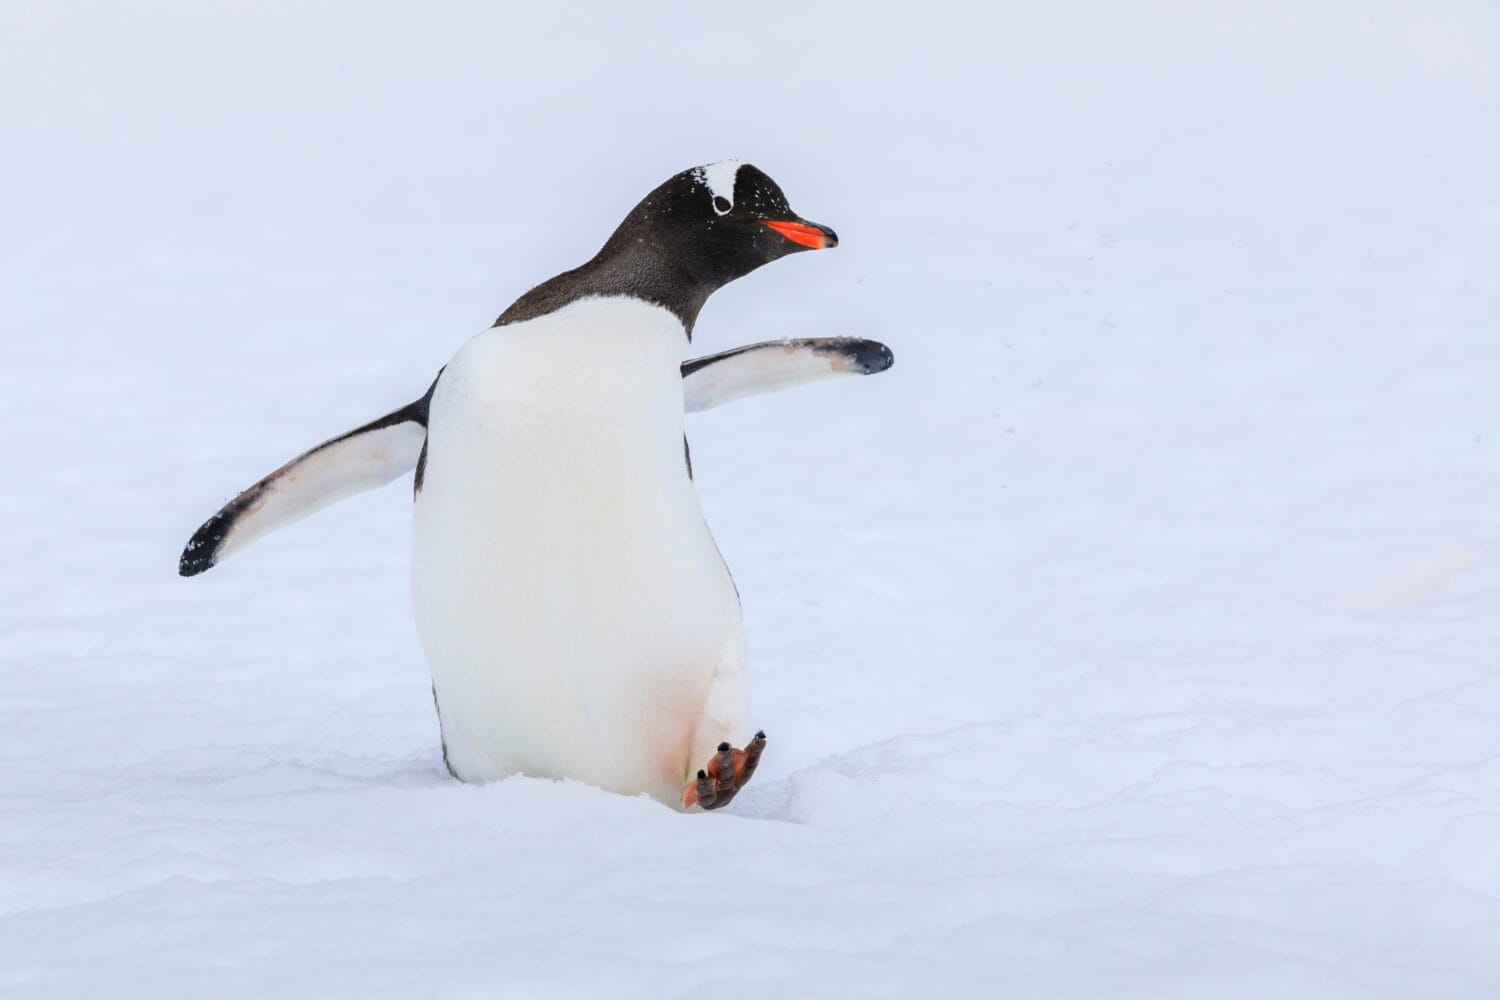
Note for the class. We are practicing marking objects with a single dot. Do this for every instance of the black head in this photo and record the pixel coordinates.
(719, 222)
(695, 233)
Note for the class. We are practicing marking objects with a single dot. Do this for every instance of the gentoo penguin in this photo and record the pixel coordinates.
(575, 611)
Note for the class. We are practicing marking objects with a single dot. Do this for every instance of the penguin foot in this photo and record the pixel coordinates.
(726, 774)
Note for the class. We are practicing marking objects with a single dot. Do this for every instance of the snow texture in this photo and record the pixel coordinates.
(1135, 636)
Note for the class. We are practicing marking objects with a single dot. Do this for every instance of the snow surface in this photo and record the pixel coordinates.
(1135, 636)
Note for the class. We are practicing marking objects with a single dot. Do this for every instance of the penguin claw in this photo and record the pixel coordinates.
(728, 772)
(705, 791)
(723, 770)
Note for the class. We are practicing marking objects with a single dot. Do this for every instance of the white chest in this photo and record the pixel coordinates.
(533, 418)
(567, 591)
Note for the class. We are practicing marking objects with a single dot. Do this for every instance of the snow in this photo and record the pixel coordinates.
(1134, 636)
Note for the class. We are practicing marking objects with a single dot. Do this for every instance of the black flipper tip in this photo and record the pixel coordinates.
(197, 557)
(202, 550)
(857, 355)
(870, 357)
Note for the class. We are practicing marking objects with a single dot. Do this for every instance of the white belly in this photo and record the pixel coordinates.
(571, 602)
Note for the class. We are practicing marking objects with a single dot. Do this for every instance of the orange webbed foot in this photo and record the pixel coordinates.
(725, 775)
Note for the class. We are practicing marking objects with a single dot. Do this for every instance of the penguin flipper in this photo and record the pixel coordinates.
(364, 458)
(380, 451)
(778, 364)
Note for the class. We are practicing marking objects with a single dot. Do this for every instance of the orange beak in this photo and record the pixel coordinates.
(804, 234)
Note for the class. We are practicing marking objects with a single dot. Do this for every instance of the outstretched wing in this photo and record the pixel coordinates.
(775, 365)
(351, 463)
(384, 449)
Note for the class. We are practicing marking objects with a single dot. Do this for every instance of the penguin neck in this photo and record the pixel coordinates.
(635, 270)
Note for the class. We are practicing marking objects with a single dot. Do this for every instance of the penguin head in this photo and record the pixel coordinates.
(690, 237)
(719, 222)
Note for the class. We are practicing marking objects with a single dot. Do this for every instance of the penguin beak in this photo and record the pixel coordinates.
(804, 233)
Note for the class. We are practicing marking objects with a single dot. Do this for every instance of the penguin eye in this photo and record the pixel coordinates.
(722, 205)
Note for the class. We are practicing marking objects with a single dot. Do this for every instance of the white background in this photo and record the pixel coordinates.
(1135, 636)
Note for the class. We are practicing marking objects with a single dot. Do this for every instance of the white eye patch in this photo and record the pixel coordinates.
(719, 179)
